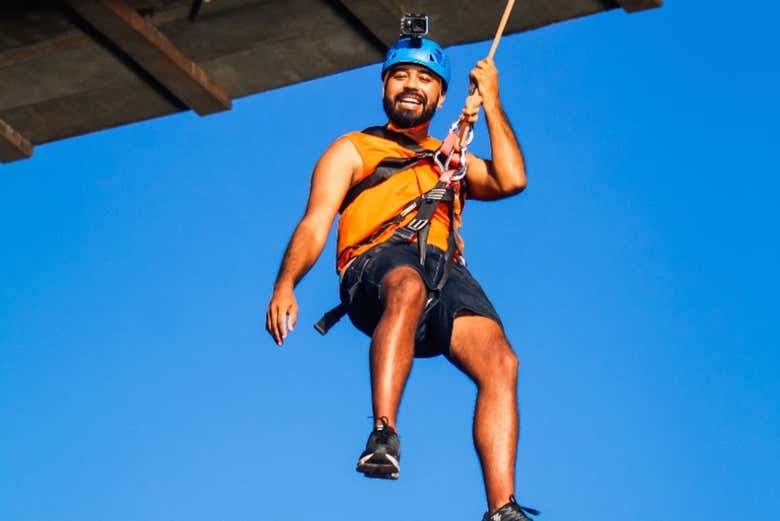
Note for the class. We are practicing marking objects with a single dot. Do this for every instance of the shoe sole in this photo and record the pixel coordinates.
(380, 466)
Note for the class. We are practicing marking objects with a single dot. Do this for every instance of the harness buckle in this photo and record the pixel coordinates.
(404, 233)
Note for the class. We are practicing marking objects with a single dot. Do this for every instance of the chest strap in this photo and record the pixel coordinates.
(388, 167)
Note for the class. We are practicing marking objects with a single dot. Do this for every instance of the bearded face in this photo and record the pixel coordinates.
(411, 95)
(409, 109)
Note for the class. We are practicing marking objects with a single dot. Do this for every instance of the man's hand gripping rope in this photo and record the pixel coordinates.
(484, 89)
(451, 156)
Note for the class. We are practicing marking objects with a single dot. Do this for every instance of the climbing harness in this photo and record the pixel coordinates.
(449, 158)
(419, 225)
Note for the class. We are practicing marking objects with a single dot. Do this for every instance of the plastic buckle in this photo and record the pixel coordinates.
(405, 233)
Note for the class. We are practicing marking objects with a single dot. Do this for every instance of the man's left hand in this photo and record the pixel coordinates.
(485, 76)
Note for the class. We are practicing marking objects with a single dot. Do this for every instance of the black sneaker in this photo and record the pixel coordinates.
(511, 512)
(382, 457)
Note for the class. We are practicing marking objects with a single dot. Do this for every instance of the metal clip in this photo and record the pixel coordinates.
(405, 233)
(469, 136)
(460, 173)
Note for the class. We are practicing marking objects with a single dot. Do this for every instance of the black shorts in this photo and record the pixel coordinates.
(363, 278)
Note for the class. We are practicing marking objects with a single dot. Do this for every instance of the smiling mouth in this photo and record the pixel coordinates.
(409, 100)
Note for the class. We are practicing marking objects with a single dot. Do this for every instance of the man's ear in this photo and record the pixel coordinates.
(442, 97)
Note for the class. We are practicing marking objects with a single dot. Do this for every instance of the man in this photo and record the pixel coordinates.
(415, 298)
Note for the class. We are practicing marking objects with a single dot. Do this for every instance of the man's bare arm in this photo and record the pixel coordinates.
(329, 184)
(504, 174)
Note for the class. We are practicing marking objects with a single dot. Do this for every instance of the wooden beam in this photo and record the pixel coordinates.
(13, 146)
(153, 52)
(632, 6)
(371, 18)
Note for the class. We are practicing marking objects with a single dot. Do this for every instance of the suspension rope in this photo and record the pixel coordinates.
(472, 105)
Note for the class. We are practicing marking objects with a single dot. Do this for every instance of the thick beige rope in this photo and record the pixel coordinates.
(472, 102)
(501, 26)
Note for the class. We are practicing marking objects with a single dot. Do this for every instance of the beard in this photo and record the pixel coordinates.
(408, 118)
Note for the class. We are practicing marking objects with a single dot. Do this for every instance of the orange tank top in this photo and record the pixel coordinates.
(375, 205)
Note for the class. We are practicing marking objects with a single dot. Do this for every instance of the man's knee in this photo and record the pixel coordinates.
(480, 345)
(500, 357)
(403, 286)
(508, 363)
(501, 367)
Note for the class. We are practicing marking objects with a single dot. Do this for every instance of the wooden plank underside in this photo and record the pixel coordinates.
(13, 146)
(153, 52)
(632, 6)
(376, 17)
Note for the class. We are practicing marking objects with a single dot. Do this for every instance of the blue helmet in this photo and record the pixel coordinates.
(420, 51)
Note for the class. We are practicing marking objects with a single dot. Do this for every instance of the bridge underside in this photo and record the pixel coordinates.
(74, 67)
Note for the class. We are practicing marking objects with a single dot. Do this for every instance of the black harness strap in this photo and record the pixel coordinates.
(401, 236)
(390, 166)
(330, 318)
(420, 225)
(384, 170)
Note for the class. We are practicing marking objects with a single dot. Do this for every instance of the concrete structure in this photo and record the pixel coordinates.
(72, 67)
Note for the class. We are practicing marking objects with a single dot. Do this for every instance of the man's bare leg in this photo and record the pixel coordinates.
(392, 352)
(392, 344)
(481, 350)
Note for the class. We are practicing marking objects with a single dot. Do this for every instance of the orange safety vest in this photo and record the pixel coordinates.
(364, 214)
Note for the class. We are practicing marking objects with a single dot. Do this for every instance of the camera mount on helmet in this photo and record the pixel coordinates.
(414, 26)
(413, 47)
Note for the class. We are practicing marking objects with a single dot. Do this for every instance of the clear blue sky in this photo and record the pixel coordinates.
(637, 276)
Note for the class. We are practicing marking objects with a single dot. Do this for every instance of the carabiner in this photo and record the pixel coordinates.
(468, 138)
(460, 173)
